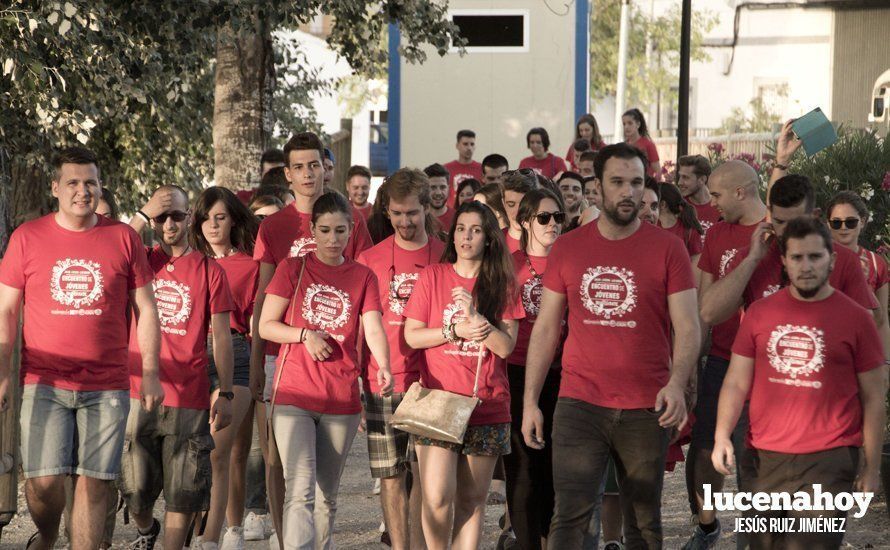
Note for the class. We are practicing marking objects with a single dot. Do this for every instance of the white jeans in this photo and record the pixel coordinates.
(313, 448)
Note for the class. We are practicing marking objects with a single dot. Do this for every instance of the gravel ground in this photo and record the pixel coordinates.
(359, 516)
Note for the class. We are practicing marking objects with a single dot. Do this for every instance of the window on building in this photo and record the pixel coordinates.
(493, 30)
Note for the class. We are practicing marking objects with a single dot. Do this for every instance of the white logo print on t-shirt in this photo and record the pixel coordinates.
(174, 305)
(796, 351)
(771, 289)
(608, 292)
(76, 283)
(531, 295)
(301, 247)
(327, 308)
(727, 257)
(400, 289)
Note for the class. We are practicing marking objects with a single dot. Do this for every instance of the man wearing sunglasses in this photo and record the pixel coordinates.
(397, 261)
(169, 449)
(516, 184)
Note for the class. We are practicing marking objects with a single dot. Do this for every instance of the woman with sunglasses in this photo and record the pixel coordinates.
(529, 471)
(316, 305)
(265, 205)
(224, 229)
(460, 310)
(847, 216)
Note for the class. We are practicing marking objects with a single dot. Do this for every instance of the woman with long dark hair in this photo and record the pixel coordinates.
(463, 309)
(379, 225)
(465, 191)
(492, 196)
(315, 306)
(224, 229)
(678, 216)
(636, 133)
(587, 129)
(529, 471)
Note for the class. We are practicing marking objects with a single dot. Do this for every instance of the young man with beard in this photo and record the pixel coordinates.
(76, 275)
(283, 235)
(358, 187)
(651, 199)
(169, 449)
(692, 180)
(734, 188)
(439, 196)
(493, 168)
(464, 167)
(625, 284)
(810, 360)
(397, 261)
(516, 184)
(570, 187)
(585, 164)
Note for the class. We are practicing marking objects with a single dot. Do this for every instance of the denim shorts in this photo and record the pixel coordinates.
(72, 432)
(169, 450)
(241, 370)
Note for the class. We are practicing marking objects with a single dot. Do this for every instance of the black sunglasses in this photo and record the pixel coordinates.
(177, 217)
(837, 223)
(544, 217)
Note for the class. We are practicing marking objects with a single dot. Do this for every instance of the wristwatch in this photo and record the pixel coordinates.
(227, 394)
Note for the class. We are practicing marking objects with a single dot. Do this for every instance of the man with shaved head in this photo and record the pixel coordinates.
(734, 188)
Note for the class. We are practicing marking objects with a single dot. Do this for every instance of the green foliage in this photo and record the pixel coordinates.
(645, 78)
(858, 162)
(760, 119)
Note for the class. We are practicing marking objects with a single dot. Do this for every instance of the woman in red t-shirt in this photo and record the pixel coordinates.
(528, 472)
(847, 215)
(465, 191)
(586, 128)
(637, 134)
(678, 216)
(224, 229)
(460, 309)
(492, 196)
(315, 306)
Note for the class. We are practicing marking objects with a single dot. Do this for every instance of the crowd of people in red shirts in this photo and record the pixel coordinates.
(606, 318)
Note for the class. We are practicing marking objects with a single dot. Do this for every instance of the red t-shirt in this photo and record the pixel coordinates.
(874, 266)
(570, 154)
(447, 219)
(722, 245)
(647, 146)
(242, 272)
(76, 287)
(618, 351)
(530, 288)
(769, 277)
(458, 172)
(707, 215)
(187, 297)
(362, 212)
(285, 234)
(807, 355)
(397, 271)
(452, 367)
(333, 299)
(548, 166)
(513, 244)
(689, 237)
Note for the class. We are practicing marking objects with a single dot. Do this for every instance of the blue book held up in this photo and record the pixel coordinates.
(815, 131)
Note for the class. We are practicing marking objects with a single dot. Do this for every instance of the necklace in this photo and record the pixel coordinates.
(175, 259)
(227, 253)
(531, 269)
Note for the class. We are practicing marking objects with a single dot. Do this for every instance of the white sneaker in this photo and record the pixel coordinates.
(376, 486)
(233, 539)
(273, 542)
(253, 527)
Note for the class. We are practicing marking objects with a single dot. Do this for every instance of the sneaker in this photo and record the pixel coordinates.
(702, 541)
(233, 539)
(377, 486)
(147, 541)
(253, 527)
(206, 546)
(613, 545)
(273, 542)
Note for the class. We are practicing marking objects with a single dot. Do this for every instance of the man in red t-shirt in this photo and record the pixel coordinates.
(585, 164)
(626, 285)
(692, 180)
(810, 361)
(397, 261)
(464, 167)
(516, 184)
(193, 298)
(76, 275)
(444, 214)
(358, 187)
(542, 160)
(493, 168)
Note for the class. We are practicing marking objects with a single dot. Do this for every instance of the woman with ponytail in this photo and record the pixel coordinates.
(678, 216)
(463, 313)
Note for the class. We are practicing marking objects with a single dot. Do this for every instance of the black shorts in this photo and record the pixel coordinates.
(241, 371)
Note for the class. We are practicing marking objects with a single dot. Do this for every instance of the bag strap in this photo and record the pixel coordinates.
(478, 368)
(287, 346)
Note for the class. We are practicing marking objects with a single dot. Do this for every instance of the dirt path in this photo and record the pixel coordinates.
(359, 516)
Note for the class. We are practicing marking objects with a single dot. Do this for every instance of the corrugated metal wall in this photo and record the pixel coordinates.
(861, 54)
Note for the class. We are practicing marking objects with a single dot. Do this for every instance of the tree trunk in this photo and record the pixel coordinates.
(242, 111)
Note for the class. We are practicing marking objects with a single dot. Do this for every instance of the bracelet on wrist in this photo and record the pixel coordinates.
(143, 215)
(782, 166)
(302, 335)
